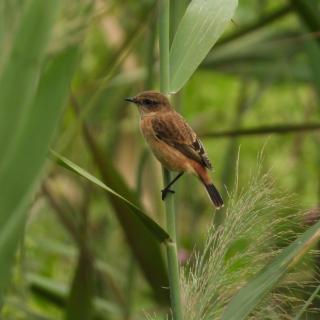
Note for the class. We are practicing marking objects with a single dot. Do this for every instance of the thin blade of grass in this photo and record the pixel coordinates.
(160, 234)
(307, 303)
(141, 241)
(246, 300)
(144, 245)
(199, 29)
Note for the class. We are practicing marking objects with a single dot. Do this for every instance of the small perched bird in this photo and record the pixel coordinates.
(173, 141)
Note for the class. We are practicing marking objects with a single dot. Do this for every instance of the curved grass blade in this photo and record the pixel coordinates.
(246, 300)
(141, 241)
(160, 234)
(300, 314)
(199, 29)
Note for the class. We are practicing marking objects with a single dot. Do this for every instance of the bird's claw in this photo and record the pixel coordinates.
(164, 193)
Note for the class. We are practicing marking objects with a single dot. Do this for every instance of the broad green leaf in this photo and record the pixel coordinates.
(135, 224)
(9, 14)
(28, 154)
(81, 295)
(159, 233)
(20, 75)
(199, 29)
(246, 300)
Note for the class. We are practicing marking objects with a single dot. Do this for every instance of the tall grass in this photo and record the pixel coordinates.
(89, 277)
(259, 221)
(171, 246)
(237, 250)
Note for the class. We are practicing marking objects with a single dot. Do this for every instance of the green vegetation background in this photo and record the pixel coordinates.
(266, 77)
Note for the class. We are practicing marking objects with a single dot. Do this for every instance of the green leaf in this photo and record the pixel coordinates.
(144, 245)
(33, 130)
(160, 234)
(199, 29)
(140, 238)
(19, 181)
(246, 300)
(20, 75)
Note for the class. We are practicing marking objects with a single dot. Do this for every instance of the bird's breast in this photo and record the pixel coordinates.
(169, 157)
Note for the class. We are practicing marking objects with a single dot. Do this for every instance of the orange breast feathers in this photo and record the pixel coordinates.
(169, 157)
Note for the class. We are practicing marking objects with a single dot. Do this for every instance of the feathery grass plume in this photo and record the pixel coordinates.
(256, 219)
(259, 222)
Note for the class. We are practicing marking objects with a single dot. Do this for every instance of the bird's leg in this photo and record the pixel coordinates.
(167, 189)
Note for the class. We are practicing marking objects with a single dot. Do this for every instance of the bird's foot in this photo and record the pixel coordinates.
(165, 191)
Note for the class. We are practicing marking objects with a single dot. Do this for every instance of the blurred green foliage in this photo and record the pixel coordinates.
(262, 72)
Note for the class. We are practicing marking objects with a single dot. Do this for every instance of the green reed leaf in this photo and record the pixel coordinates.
(33, 111)
(160, 234)
(201, 26)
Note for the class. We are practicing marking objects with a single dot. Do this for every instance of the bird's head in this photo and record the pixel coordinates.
(150, 101)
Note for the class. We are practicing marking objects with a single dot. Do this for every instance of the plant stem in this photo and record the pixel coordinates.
(172, 256)
(164, 20)
(171, 246)
(272, 129)
(177, 10)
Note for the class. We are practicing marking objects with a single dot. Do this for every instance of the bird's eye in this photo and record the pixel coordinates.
(148, 102)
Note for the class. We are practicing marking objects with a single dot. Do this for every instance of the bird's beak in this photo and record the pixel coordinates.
(130, 99)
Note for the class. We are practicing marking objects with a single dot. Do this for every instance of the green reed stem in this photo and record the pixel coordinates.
(172, 256)
(164, 42)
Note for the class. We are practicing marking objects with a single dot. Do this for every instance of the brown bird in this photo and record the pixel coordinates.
(173, 141)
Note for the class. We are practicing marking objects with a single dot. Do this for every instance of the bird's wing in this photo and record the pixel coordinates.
(173, 130)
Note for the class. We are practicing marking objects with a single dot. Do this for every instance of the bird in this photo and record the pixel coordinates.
(173, 142)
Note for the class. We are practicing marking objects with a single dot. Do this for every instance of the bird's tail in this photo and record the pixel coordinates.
(211, 189)
(214, 195)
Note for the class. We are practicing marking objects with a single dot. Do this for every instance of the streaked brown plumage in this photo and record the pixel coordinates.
(173, 141)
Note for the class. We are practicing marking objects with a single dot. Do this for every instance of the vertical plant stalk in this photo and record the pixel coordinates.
(164, 41)
(177, 8)
(172, 255)
(171, 246)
